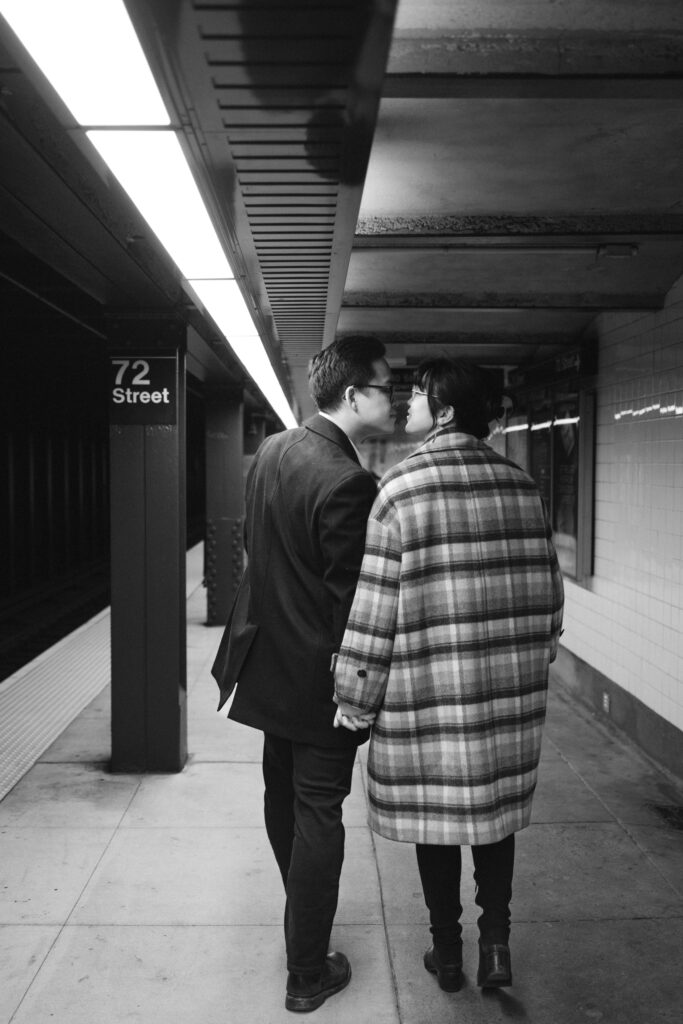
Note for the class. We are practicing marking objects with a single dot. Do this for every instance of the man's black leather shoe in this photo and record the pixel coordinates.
(306, 993)
(495, 970)
(448, 973)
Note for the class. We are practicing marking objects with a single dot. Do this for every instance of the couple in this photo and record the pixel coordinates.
(442, 642)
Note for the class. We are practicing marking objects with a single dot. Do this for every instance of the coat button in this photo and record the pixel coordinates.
(361, 673)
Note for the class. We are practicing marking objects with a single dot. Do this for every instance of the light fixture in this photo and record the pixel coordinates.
(542, 426)
(90, 53)
(153, 170)
(225, 297)
(617, 251)
(224, 303)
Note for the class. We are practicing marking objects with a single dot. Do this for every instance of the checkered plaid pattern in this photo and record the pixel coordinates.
(455, 621)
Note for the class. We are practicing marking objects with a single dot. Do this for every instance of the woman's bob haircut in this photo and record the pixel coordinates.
(471, 391)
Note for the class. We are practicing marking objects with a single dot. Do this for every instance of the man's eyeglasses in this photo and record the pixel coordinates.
(388, 388)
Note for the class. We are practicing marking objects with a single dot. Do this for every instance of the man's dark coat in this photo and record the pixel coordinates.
(307, 506)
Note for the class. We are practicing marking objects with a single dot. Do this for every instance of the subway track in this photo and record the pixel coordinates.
(38, 618)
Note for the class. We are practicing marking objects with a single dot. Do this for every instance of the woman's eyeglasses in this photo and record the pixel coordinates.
(418, 391)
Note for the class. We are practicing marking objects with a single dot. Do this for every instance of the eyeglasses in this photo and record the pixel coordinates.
(418, 391)
(388, 388)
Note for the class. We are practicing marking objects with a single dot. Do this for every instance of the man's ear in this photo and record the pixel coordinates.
(350, 397)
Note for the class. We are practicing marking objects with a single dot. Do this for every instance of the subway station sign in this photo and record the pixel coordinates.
(142, 389)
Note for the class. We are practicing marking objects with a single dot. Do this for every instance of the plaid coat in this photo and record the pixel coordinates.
(455, 620)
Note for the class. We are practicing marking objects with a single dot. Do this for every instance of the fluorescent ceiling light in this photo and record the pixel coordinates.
(89, 51)
(224, 303)
(153, 170)
(91, 55)
(226, 297)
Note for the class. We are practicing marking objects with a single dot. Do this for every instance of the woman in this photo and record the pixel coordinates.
(455, 621)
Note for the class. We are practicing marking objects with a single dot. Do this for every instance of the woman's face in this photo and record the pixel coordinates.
(420, 419)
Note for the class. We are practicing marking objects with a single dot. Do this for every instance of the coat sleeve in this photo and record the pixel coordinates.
(558, 604)
(557, 607)
(342, 525)
(365, 657)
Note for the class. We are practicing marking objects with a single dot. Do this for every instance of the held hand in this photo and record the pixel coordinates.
(350, 719)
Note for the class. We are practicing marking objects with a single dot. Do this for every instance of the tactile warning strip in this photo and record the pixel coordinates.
(40, 700)
(43, 697)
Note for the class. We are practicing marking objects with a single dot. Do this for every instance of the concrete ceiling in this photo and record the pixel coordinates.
(525, 175)
(476, 176)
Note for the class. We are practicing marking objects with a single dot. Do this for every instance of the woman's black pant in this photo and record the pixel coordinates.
(305, 787)
(440, 868)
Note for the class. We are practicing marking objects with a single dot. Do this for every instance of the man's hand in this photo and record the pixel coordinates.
(350, 718)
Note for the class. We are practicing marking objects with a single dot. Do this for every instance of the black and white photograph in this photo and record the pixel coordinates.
(341, 511)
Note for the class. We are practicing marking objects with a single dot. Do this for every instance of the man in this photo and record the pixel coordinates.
(307, 505)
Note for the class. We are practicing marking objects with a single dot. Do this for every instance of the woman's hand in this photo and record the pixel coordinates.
(351, 719)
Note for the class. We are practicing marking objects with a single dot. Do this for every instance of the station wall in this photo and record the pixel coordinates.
(626, 623)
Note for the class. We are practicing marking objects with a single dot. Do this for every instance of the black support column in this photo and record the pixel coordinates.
(224, 500)
(256, 433)
(148, 619)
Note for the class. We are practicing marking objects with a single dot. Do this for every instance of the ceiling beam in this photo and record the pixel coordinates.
(568, 302)
(610, 249)
(437, 230)
(515, 346)
(648, 50)
(361, 110)
(517, 87)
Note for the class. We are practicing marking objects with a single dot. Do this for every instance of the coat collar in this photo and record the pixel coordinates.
(445, 439)
(330, 431)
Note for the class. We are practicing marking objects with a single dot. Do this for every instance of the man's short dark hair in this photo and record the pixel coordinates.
(346, 361)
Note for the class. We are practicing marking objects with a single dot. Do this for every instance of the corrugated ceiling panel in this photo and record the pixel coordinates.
(280, 73)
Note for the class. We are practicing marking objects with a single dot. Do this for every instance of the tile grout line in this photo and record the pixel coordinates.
(622, 824)
(394, 979)
(650, 860)
(610, 731)
(65, 923)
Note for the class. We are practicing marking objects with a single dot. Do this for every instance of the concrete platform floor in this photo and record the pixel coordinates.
(156, 898)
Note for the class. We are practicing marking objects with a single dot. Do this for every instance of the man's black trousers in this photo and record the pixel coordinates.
(305, 787)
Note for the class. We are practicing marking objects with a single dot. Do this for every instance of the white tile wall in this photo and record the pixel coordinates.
(628, 623)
